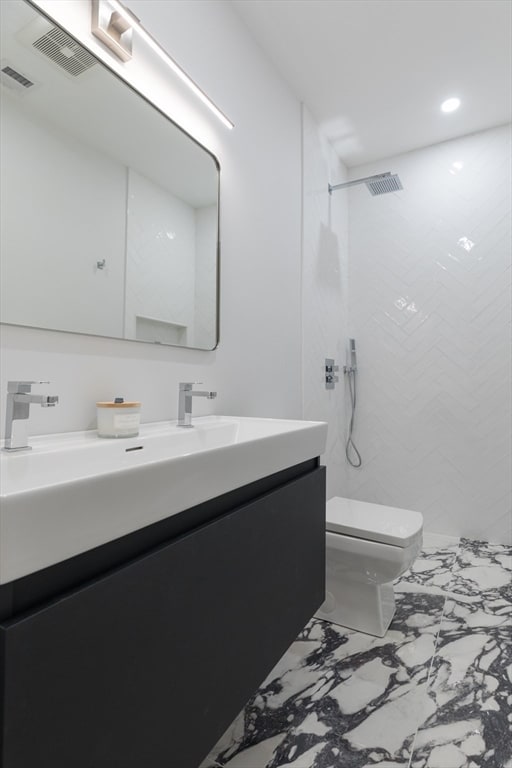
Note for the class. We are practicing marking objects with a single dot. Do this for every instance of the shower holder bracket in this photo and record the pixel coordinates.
(330, 373)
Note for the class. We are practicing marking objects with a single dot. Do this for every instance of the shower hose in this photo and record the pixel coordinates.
(351, 452)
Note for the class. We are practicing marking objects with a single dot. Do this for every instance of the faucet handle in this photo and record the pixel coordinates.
(22, 387)
(188, 384)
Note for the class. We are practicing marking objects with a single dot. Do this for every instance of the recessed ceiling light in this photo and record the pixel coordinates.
(450, 105)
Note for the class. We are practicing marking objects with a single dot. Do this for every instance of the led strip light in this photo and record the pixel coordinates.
(152, 43)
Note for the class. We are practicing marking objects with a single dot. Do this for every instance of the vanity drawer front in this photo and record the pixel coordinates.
(146, 666)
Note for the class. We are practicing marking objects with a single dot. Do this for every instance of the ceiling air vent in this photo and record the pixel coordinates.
(64, 51)
(19, 79)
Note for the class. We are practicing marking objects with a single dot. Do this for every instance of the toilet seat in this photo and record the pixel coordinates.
(363, 520)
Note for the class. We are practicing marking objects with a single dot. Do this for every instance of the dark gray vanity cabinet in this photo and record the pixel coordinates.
(140, 653)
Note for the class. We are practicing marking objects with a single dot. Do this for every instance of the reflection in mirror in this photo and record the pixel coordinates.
(109, 211)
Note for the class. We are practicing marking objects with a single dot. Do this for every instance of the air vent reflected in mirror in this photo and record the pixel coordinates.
(64, 51)
(13, 78)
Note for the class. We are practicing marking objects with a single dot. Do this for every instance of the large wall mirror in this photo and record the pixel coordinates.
(109, 211)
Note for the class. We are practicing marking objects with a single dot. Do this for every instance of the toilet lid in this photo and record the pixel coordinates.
(388, 525)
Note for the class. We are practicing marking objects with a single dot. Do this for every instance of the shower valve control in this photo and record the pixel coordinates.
(330, 373)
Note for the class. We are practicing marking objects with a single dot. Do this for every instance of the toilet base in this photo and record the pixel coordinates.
(357, 605)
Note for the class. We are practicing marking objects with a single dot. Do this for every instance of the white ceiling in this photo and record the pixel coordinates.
(374, 72)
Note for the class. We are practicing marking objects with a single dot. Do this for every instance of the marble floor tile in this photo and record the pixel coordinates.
(340, 697)
(470, 687)
(471, 677)
(435, 692)
(482, 572)
(432, 569)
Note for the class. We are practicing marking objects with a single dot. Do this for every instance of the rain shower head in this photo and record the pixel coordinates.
(386, 183)
(379, 184)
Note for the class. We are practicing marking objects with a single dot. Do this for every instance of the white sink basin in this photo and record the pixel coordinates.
(75, 491)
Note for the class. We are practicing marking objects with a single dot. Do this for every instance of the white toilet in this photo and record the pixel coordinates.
(368, 546)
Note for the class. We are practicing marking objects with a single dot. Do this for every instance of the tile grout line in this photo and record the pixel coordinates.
(411, 755)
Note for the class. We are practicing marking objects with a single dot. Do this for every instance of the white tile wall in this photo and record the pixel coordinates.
(430, 307)
(205, 301)
(160, 257)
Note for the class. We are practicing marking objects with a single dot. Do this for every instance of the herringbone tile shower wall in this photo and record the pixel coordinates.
(430, 308)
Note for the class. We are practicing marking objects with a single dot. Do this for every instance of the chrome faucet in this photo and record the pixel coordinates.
(185, 402)
(19, 397)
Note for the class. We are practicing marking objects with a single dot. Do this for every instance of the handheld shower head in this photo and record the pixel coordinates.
(351, 366)
(352, 353)
(350, 370)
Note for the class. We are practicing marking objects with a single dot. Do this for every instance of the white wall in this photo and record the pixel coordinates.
(430, 307)
(256, 368)
(324, 295)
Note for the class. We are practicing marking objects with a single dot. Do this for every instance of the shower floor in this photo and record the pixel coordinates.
(435, 692)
